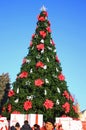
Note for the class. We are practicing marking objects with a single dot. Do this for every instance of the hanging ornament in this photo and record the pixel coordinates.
(47, 59)
(46, 81)
(36, 36)
(28, 60)
(49, 48)
(52, 42)
(16, 101)
(55, 76)
(45, 67)
(58, 90)
(42, 41)
(27, 83)
(42, 51)
(30, 97)
(46, 18)
(31, 71)
(32, 47)
(57, 102)
(57, 70)
(54, 50)
(38, 56)
(17, 90)
(45, 92)
(46, 24)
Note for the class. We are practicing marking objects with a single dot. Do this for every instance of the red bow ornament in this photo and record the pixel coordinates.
(40, 47)
(39, 82)
(39, 64)
(43, 34)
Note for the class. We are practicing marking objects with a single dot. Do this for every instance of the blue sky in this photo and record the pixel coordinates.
(68, 24)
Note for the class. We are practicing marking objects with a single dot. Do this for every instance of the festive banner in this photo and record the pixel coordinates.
(3, 123)
(75, 125)
(35, 119)
(69, 123)
(18, 118)
(65, 122)
(32, 119)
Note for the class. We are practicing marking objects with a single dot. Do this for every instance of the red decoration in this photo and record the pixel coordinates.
(33, 35)
(75, 108)
(48, 29)
(39, 82)
(43, 34)
(16, 112)
(27, 105)
(24, 61)
(45, 13)
(57, 59)
(41, 18)
(11, 93)
(40, 47)
(52, 42)
(24, 74)
(49, 23)
(66, 94)
(71, 98)
(61, 77)
(66, 106)
(9, 108)
(48, 104)
(39, 64)
(31, 43)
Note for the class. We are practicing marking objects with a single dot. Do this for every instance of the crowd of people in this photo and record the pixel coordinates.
(49, 125)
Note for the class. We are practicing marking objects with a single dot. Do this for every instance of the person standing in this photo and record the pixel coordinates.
(36, 127)
(26, 126)
(49, 125)
(17, 126)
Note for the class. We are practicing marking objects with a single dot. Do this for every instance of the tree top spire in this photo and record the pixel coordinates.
(43, 8)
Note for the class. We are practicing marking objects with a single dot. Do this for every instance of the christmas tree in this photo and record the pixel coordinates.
(40, 86)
